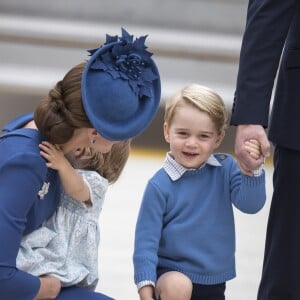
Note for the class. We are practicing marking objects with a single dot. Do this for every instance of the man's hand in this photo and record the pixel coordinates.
(244, 133)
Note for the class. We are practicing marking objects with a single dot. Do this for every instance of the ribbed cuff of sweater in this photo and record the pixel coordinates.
(144, 283)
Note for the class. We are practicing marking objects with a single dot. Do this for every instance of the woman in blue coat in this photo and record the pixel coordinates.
(112, 97)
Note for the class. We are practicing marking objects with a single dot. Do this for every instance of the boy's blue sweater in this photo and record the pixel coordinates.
(188, 224)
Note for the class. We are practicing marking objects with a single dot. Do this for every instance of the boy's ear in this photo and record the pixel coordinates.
(166, 132)
(220, 139)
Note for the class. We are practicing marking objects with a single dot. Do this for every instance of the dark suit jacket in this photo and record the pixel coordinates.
(272, 29)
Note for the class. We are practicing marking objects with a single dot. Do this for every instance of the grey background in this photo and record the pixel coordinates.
(192, 41)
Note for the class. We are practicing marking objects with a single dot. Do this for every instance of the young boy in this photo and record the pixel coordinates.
(185, 235)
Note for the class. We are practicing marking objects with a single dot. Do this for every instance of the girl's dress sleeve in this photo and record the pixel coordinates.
(19, 185)
(98, 187)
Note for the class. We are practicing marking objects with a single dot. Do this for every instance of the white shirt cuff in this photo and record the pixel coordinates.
(259, 171)
(144, 283)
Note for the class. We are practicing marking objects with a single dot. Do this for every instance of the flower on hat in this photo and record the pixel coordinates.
(127, 59)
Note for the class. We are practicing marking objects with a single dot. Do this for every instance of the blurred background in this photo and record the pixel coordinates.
(192, 41)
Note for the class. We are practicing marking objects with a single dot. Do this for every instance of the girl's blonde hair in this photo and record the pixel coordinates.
(109, 165)
(202, 98)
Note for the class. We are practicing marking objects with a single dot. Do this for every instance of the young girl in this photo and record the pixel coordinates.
(112, 97)
(185, 236)
(66, 246)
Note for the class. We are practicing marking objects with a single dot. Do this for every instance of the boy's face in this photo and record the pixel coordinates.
(192, 136)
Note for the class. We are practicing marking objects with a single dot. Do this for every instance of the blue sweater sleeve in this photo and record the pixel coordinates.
(148, 230)
(19, 184)
(248, 193)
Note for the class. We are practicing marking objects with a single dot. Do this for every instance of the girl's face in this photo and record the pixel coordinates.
(192, 136)
(83, 138)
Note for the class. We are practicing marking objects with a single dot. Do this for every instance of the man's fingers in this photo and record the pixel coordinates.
(264, 143)
(265, 149)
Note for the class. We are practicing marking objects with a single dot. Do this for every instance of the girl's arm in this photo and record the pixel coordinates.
(72, 181)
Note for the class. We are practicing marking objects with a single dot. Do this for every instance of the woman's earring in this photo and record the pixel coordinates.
(92, 140)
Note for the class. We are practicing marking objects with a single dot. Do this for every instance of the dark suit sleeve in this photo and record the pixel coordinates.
(266, 29)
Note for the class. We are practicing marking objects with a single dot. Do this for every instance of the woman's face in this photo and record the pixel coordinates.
(87, 137)
(101, 144)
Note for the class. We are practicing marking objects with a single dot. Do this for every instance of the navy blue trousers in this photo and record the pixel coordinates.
(281, 267)
(77, 293)
(201, 291)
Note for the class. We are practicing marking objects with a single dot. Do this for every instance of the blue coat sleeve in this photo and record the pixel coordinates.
(266, 29)
(19, 185)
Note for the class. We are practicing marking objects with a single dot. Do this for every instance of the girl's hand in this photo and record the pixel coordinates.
(54, 156)
(49, 289)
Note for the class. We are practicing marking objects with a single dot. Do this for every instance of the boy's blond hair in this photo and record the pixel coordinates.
(202, 98)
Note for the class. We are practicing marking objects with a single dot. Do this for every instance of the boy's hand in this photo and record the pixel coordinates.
(146, 292)
(254, 149)
(246, 133)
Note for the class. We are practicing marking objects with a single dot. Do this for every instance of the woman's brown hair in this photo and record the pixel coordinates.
(61, 112)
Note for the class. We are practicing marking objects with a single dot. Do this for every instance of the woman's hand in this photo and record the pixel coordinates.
(49, 289)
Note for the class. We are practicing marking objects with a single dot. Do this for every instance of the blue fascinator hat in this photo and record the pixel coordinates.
(121, 87)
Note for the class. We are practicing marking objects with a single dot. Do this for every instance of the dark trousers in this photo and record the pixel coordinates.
(209, 292)
(281, 267)
(201, 291)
